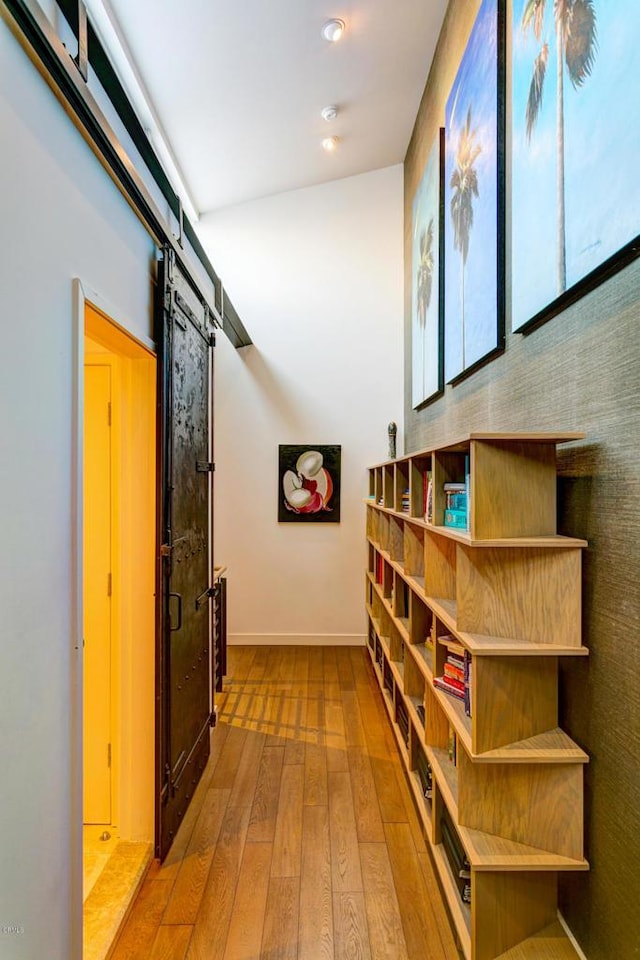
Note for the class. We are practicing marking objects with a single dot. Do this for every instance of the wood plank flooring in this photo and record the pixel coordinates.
(302, 841)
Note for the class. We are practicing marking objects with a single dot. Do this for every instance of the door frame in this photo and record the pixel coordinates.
(82, 295)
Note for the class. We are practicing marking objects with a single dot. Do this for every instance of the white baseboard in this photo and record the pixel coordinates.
(296, 639)
(573, 940)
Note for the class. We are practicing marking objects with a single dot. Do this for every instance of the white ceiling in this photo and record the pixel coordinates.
(238, 86)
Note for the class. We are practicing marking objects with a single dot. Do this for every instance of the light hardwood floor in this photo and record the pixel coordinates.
(301, 842)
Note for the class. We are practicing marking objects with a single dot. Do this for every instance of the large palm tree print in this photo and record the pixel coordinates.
(576, 44)
(464, 183)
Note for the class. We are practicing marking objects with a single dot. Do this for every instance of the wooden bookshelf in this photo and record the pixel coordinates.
(504, 596)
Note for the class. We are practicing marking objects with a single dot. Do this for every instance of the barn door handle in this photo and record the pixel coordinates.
(179, 599)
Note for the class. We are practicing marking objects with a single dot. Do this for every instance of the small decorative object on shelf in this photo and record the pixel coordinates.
(472, 597)
(392, 430)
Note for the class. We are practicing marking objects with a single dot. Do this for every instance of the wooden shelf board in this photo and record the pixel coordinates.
(454, 711)
(481, 645)
(564, 436)
(445, 610)
(446, 774)
(397, 669)
(412, 704)
(553, 746)
(484, 646)
(489, 852)
(402, 623)
(460, 912)
(423, 659)
(461, 445)
(552, 943)
(554, 541)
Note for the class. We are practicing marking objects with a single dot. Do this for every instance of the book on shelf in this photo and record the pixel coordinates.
(455, 688)
(456, 518)
(427, 496)
(453, 670)
(405, 500)
(452, 746)
(458, 860)
(423, 768)
(467, 675)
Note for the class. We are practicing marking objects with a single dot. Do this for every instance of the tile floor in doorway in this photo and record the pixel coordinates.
(113, 870)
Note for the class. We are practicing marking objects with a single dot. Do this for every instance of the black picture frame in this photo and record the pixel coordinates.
(584, 226)
(488, 35)
(309, 483)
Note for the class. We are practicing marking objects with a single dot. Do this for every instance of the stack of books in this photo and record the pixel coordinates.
(458, 861)
(452, 680)
(455, 513)
(405, 501)
(457, 671)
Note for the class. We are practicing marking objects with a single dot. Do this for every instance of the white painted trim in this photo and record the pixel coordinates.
(77, 614)
(296, 639)
(105, 307)
(574, 942)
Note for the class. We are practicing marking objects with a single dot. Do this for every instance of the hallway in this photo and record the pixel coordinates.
(301, 842)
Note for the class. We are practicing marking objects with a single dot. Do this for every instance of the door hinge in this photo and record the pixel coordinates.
(109, 584)
(205, 466)
(165, 550)
(109, 413)
(108, 754)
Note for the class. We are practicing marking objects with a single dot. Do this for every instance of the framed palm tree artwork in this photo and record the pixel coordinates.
(575, 143)
(474, 199)
(427, 316)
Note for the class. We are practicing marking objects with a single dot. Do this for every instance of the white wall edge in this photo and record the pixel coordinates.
(105, 307)
(77, 616)
(296, 639)
(574, 942)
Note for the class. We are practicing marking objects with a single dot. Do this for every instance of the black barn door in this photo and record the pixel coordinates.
(184, 708)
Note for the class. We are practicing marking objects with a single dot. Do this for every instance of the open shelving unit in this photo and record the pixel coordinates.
(498, 784)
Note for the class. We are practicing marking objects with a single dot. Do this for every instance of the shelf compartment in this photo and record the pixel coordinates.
(449, 466)
(484, 645)
(414, 560)
(531, 595)
(446, 775)
(440, 561)
(513, 488)
(460, 912)
(396, 539)
(401, 488)
(388, 485)
(538, 805)
(551, 943)
(509, 909)
(419, 466)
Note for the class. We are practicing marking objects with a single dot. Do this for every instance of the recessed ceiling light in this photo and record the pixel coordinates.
(329, 113)
(330, 144)
(333, 30)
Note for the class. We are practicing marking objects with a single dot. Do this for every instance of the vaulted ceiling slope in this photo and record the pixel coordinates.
(238, 87)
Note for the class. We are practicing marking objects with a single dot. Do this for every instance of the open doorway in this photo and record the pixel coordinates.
(119, 490)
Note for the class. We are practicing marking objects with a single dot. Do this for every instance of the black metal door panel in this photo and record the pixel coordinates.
(184, 643)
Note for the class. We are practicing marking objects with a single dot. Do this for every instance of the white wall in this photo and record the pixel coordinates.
(60, 217)
(316, 275)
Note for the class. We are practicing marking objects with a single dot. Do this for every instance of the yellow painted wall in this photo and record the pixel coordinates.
(133, 559)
